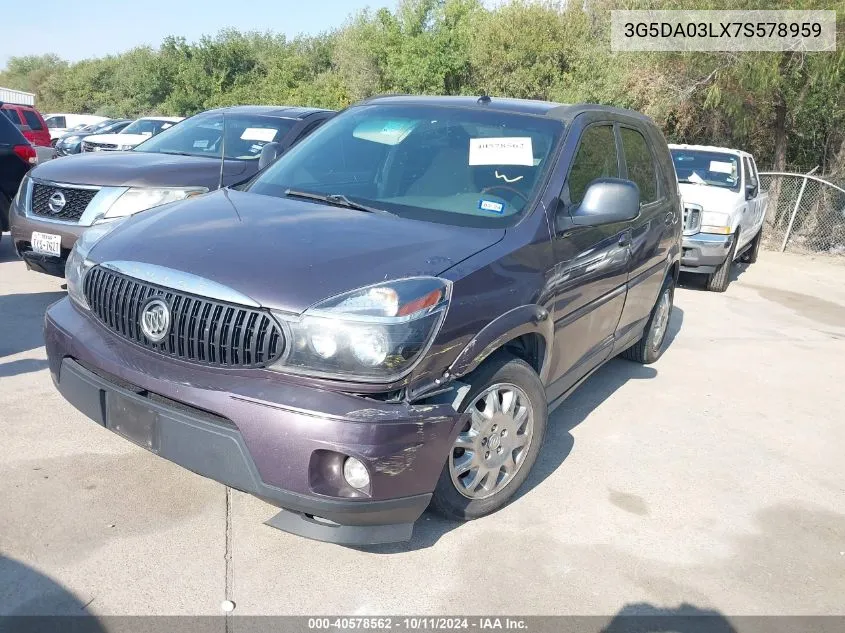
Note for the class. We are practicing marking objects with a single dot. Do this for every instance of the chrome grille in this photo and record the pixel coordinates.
(201, 330)
(692, 218)
(76, 201)
(90, 147)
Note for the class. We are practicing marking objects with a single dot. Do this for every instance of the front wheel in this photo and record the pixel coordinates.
(499, 443)
(718, 280)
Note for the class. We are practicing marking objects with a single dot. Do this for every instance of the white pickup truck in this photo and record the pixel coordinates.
(724, 209)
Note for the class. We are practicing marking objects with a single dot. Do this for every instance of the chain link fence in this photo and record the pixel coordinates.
(806, 214)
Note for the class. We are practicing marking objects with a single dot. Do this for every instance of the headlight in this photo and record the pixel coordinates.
(125, 147)
(78, 263)
(68, 140)
(22, 197)
(137, 199)
(714, 222)
(373, 334)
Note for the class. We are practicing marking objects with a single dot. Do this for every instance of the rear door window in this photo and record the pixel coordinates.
(747, 174)
(596, 158)
(32, 120)
(56, 121)
(640, 162)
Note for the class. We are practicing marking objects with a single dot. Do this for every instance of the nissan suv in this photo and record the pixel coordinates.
(64, 197)
(383, 318)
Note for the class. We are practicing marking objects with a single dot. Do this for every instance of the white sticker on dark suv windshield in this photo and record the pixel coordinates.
(265, 134)
(509, 150)
(491, 205)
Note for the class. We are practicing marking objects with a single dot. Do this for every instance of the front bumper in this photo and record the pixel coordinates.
(261, 433)
(704, 252)
(22, 226)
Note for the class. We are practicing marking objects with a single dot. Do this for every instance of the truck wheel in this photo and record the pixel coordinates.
(650, 347)
(750, 256)
(498, 445)
(718, 280)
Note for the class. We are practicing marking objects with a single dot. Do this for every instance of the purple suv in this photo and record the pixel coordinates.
(383, 318)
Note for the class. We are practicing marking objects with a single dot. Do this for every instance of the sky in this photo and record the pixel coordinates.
(77, 29)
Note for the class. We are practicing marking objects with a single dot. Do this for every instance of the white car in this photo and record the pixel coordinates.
(59, 123)
(133, 134)
(724, 209)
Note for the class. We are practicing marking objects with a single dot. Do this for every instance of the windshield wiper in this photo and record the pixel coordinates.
(691, 182)
(177, 153)
(335, 199)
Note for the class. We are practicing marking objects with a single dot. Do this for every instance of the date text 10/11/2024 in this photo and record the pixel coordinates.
(417, 624)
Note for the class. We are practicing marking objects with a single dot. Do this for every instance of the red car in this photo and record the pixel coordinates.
(29, 122)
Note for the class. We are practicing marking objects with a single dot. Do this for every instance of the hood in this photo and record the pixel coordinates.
(710, 197)
(142, 169)
(288, 254)
(118, 139)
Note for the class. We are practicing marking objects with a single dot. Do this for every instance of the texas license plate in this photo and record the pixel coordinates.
(46, 243)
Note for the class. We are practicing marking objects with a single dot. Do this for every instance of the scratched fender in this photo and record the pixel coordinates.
(527, 319)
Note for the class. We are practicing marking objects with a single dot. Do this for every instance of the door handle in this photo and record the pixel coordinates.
(625, 238)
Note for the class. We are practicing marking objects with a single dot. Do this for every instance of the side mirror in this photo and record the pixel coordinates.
(269, 153)
(750, 191)
(607, 200)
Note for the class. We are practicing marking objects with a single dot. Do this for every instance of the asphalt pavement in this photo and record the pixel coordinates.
(713, 479)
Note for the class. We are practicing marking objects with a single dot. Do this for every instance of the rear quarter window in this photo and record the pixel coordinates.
(12, 115)
(9, 134)
(32, 120)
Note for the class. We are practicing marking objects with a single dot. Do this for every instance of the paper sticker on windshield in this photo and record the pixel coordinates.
(491, 205)
(721, 168)
(385, 131)
(265, 134)
(201, 144)
(513, 150)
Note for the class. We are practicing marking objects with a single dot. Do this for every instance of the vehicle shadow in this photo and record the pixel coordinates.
(23, 366)
(23, 318)
(559, 440)
(35, 602)
(699, 282)
(686, 618)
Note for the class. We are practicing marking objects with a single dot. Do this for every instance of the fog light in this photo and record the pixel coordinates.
(355, 473)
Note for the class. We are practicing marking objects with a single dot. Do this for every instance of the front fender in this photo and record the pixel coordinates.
(526, 319)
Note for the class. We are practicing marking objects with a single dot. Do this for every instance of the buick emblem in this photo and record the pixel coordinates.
(56, 202)
(155, 320)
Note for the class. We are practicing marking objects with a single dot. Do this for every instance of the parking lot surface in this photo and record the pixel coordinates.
(714, 479)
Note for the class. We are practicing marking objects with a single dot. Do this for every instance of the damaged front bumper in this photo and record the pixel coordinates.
(260, 433)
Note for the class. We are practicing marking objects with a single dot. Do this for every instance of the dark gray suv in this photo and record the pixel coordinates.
(63, 197)
(383, 318)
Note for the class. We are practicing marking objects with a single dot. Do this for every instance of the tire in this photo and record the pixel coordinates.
(651, 345)
(5, 208)
(502, 373)
(720, 279)
(750, 255)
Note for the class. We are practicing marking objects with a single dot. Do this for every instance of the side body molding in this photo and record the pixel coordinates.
(526, 319)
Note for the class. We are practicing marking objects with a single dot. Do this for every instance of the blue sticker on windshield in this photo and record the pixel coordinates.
(491, 205)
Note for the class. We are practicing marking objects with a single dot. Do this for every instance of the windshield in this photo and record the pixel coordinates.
(246, 135)
(707, 168)
(147, 127)
(469, 167)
